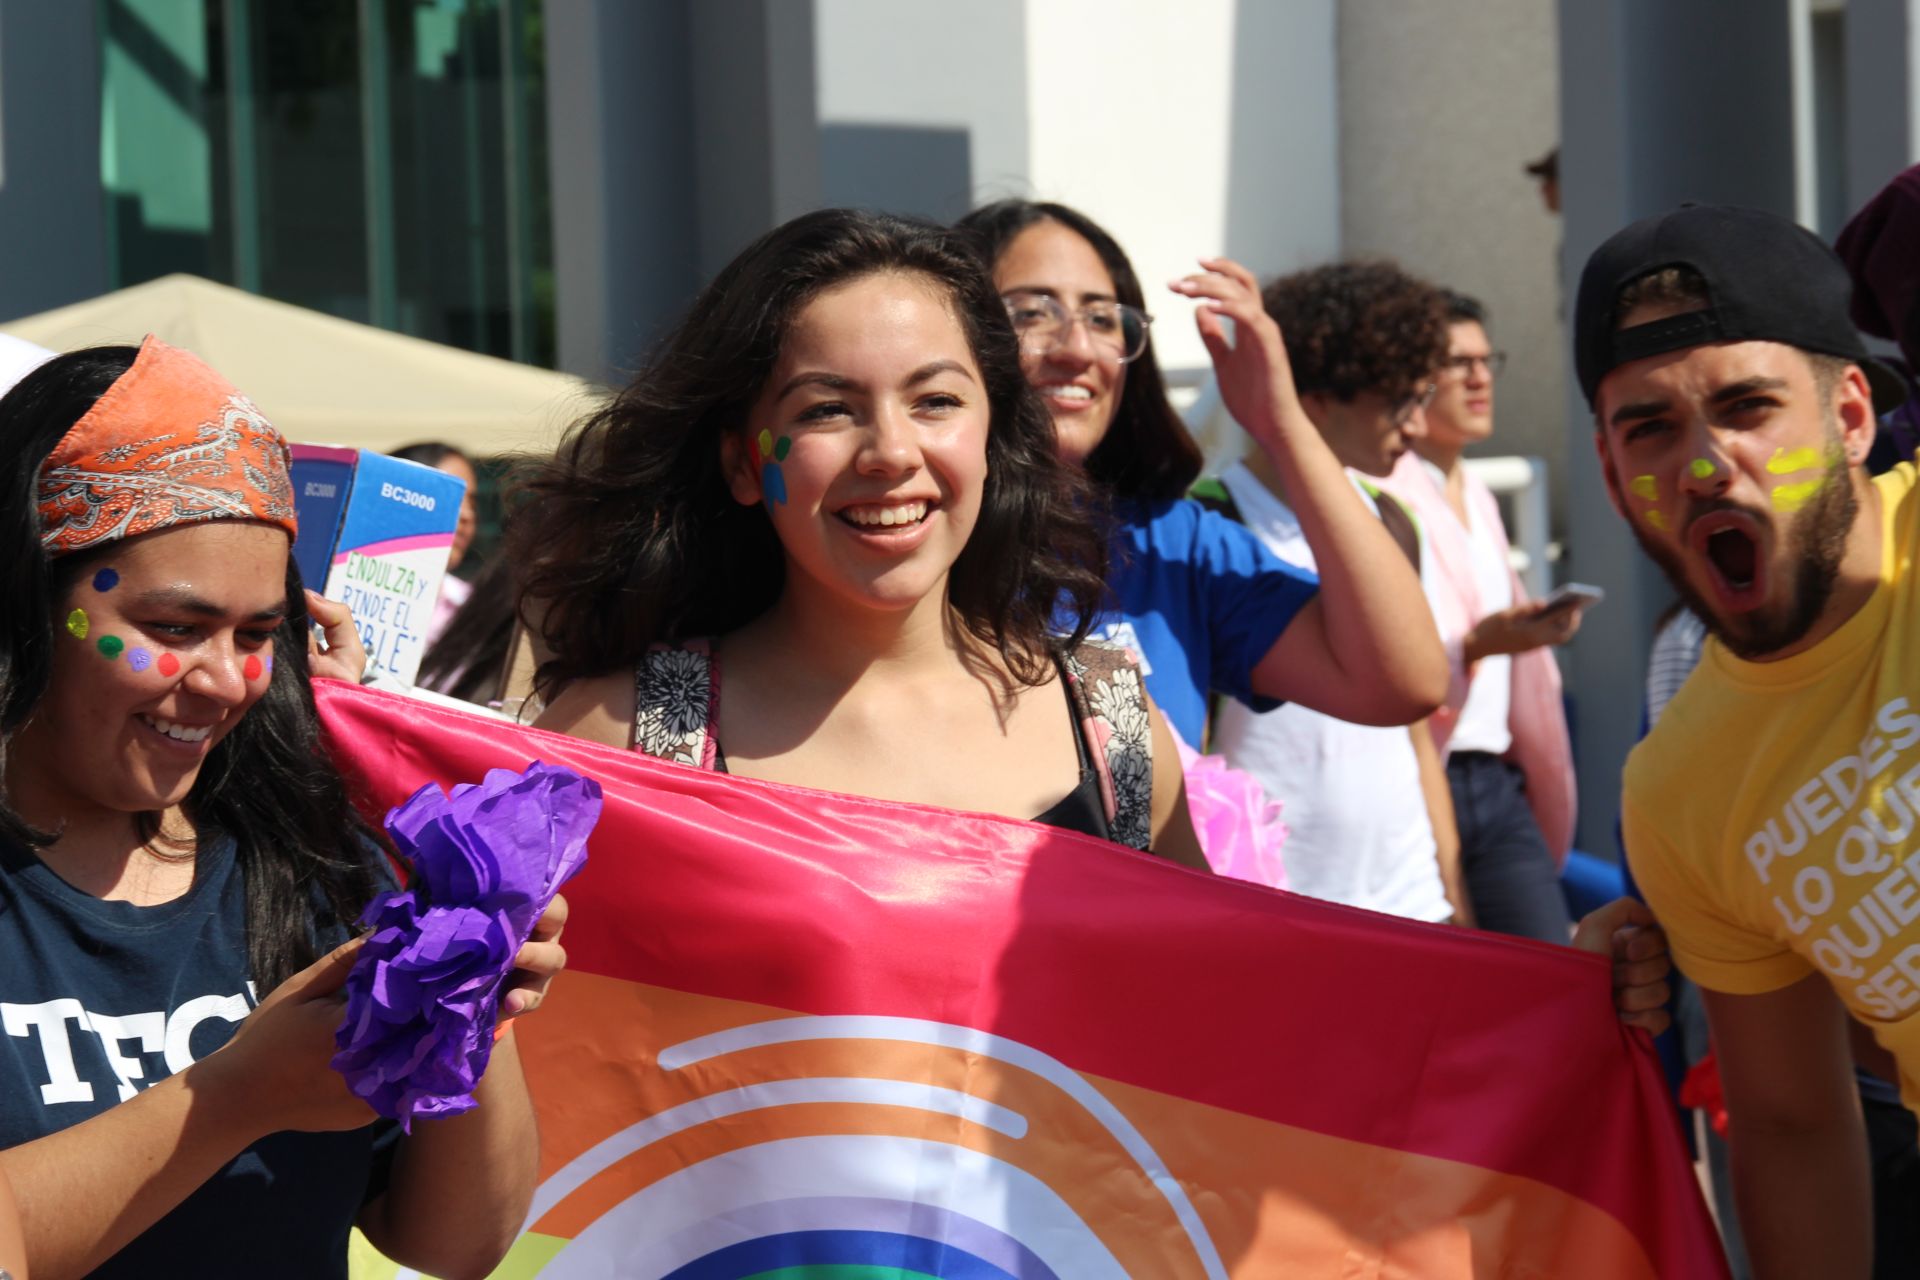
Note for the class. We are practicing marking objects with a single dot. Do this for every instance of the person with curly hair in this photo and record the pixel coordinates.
(1369, 823)
(833, 484)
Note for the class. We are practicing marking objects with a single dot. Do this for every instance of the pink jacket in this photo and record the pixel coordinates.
(1535, 717)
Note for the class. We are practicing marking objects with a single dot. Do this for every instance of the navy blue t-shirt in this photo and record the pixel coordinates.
(1201, 600)
(100, 999)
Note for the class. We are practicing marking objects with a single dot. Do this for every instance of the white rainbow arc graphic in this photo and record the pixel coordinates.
(993, 1216)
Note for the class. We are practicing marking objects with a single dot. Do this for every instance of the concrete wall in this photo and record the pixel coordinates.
(1214, 134)
(1441, 105)
(897, 134)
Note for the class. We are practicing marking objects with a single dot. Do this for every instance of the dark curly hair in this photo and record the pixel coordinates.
(1148, 453)
(629, 535)
(1359, 326)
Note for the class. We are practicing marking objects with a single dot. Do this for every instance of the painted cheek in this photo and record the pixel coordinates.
(252, 668)
(1647, 489)
(78, 624)
(139, 659)
(1785, 463)
(106, 580)
(110, 647)
(770, 453)
(168, 665)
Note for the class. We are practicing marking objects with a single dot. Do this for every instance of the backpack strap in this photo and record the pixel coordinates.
(1399, 522)
(1110, 700)
(676, 703)
(1210, 493)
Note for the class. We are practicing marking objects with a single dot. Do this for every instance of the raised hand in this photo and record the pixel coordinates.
(1256, 382)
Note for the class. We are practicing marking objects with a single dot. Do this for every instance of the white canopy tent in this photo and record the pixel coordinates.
(324, 380)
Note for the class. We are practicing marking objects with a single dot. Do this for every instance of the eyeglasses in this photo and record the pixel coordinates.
(1495, 361)
(1043, 322)
(1402, 413)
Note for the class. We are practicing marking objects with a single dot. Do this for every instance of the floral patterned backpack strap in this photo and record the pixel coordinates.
(1104, 681)
(676, 702)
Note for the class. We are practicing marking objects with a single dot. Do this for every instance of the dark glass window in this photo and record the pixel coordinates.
(382, 160)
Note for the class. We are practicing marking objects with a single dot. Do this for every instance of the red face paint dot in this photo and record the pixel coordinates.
(168, 665)
(252, 668)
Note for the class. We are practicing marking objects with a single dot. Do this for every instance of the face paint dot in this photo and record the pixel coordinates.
(1657, 520)
(110, 646)
(252, 669)
(1701, 468)
(773, 484)
(269, 664)
(764, 442)
(781, 448)
(105, 580)
(139, 659)
(168, 665)
(77, 623)
(1645, 487)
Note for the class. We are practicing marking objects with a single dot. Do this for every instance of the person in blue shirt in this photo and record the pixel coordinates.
(1206, 607)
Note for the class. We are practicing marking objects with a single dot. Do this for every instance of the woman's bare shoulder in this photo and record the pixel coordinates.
(597, 709)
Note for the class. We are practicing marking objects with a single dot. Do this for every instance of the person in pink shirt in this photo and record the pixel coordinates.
(1509, 762)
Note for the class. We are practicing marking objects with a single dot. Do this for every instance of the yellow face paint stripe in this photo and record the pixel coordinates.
(1657, 520)
(1783, 463)
(1792, 497)
(1645, 487)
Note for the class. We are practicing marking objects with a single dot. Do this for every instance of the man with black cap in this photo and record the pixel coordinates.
(1773, 815)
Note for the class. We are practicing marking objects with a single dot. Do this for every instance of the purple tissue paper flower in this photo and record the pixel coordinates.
(425, 989)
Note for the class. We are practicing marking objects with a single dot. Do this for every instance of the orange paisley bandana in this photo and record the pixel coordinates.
(171, 442)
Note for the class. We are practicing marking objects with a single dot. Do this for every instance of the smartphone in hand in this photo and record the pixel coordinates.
(1574, 595)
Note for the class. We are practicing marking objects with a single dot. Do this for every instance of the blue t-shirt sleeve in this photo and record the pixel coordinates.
(1251, 597)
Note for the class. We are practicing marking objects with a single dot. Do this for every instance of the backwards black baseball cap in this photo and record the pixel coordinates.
(1767, 278)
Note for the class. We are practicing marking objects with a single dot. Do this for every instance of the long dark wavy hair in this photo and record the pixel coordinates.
(629, 535)
(306, 857)
(1147, 454)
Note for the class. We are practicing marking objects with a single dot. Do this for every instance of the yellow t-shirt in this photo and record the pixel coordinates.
(1773, 815)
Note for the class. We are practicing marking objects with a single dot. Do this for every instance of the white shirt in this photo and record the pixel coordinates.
(1483, 720)
(1358, 831)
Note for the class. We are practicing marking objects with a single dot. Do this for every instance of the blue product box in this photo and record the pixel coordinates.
(376, 532)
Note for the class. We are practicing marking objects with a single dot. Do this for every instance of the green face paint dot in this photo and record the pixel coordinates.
(77, 623)
(1701, 468)
(110, 647)
(780, 450)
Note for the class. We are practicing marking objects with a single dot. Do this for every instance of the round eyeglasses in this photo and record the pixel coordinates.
(1043, 322)
(1494, 361)
(1402, 413)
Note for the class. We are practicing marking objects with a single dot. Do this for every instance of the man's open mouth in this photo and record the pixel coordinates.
(1734, 556)
(1732, 544)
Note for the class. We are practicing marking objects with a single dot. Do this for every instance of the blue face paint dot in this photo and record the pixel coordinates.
(139, 659)
(773, 483)
(105, 580)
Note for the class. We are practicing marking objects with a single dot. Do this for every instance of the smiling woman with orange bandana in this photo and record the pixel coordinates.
(180, 869)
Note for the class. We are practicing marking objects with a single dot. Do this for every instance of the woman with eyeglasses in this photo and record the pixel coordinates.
(1198, 597)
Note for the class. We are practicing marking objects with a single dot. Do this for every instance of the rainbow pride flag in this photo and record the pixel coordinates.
(806, 1036)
